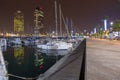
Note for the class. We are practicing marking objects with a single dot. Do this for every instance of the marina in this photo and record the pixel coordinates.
(30, 56)
(28, 61)
(59, 40)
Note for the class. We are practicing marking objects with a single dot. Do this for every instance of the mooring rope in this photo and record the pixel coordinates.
(24, 78)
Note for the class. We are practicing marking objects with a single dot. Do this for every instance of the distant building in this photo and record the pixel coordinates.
(18, 22)
(39, 15)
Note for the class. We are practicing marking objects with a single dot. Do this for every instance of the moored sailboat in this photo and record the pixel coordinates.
(56, 44)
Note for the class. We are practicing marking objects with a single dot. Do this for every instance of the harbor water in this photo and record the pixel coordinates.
(28, 61)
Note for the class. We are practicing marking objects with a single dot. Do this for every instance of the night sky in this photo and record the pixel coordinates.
(85, 14)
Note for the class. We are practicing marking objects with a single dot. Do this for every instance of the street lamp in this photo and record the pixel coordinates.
(111, 23)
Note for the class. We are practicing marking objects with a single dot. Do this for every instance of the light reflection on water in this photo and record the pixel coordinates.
(27, 61)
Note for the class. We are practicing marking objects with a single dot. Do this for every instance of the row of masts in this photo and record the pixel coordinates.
(59, 20)
(61, 17)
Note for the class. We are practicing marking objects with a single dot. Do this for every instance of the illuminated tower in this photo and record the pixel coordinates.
(95, 30)
(18, 22)
(105, 24)
(39, 15)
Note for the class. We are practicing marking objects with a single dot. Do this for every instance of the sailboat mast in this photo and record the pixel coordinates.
(72, 30)
(56, 22)
(60, 20)
(66, 26)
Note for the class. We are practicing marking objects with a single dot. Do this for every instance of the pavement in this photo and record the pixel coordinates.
(103, 59)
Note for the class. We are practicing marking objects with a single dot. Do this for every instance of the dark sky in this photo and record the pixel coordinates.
(85, 14)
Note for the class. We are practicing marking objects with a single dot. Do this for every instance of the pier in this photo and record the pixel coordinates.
(101, 62)
(3, 70)
(70, 67)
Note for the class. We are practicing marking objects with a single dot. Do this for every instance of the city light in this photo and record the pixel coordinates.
(111, 23)
(105, 24)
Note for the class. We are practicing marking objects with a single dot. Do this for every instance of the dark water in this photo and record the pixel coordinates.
(27, 61)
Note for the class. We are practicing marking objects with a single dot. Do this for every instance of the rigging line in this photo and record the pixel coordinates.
(24, 78)
(66, 26)
(56, 22)
(60, 20)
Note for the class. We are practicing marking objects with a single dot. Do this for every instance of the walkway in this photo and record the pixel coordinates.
(103, 60)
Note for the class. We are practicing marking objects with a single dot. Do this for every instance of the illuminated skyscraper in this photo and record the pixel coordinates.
(95, 30)
(18, 22)
(105, 24)
(39, 15)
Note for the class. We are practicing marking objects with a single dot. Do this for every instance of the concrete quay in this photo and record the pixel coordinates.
(68, 68)
(103, 59)
(102, 63)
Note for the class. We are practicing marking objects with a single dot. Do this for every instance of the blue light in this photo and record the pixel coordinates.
(105, 24)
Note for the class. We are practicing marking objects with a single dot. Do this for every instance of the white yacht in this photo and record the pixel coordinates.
(16, 41)
(3, 42)
(55, 45)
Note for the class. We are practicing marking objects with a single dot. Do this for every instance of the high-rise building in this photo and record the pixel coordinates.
(39, 15)
(18, 22)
